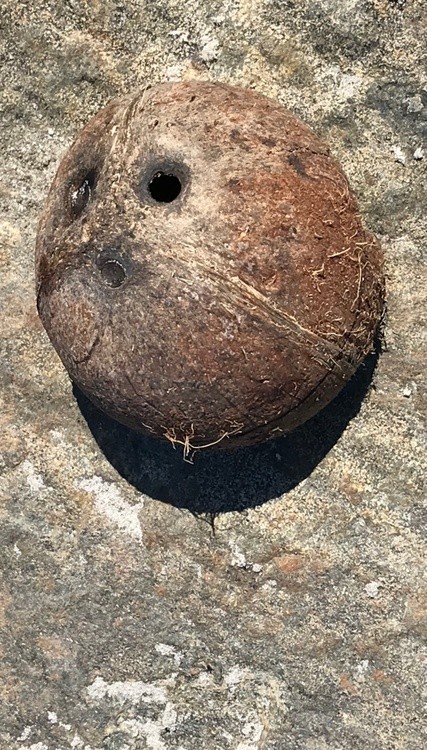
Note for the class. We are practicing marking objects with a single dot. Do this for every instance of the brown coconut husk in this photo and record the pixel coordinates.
(226, 314)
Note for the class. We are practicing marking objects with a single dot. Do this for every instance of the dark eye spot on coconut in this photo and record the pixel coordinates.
(82, 194)
(234, 185)
(297, 164)
(113, 273)
(113, 269)
(269, 142)
(237, 137)
(289, 232)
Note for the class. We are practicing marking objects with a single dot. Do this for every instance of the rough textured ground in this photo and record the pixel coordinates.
(125, 621)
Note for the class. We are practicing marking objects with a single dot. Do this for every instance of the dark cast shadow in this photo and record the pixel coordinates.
(226, 480)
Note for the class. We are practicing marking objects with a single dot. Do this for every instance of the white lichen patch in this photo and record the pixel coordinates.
(252, 730)
(130, 694)
(110, 503)
(129, 691)
(235, 676)
(76, 742)
(166, 650)
(25, 734)
(34, 480)
(361, 670)
(151, 729)
(238, 559)
(209, 48)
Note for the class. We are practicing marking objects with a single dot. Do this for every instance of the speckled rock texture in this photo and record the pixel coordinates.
(270, 598)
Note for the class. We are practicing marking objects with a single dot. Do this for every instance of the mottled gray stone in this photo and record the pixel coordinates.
(266, 599)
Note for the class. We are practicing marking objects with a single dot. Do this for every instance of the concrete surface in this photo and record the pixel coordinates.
(267, 599)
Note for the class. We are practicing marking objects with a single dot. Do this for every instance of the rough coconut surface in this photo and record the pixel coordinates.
(125, 621)
(227, 306)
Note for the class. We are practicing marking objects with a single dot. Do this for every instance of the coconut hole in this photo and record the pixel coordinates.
(112, 273)
(164, 188)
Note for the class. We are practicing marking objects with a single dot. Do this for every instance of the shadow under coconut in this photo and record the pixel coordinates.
(226, 480)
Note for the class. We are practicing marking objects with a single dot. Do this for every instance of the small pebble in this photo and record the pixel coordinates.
(371, 589)
(399, 155)
(209, 49)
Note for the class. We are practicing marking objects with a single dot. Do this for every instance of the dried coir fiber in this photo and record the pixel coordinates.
(202, 269)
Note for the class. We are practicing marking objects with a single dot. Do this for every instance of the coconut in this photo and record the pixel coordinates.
(202, 268)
